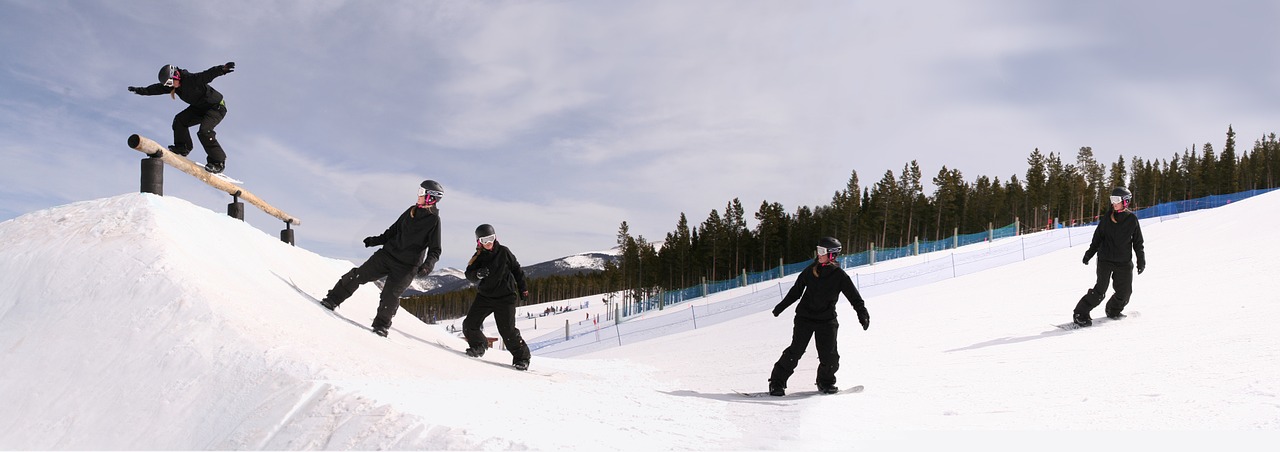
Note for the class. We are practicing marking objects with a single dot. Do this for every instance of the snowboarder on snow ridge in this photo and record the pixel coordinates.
(411, 246)
(1116, 240)
(206, 109)
(499, 281)
(818, 288)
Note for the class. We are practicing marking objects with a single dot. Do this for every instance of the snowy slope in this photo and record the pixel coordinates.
(142, 322)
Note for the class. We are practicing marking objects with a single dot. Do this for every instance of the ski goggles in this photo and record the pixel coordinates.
(432, 196)
(824, 250)
(174, 74)
(487, 239)
(1119, 199)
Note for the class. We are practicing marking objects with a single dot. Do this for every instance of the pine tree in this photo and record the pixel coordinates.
(1037, 195)
(1228, 180)
(772, 232)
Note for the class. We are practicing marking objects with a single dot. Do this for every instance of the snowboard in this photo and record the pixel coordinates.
(200, 165)
(222, 176)
(801, 394)
(1069, 326)
(481, 359)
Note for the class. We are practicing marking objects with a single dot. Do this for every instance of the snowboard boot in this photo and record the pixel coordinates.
(777, 390)
(475, 352)
(328, 305)
(521, 365)
(381, 331)
(179, 150)
(1082, 320)
(1114, 307)
(215, 167)
(828, 388)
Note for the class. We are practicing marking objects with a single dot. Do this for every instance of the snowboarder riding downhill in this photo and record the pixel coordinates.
(1116, 240)
(818, 288)
(499, 281)
(206, 109)
(411, 246)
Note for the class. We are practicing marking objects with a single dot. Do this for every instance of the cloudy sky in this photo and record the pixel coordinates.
(558, 120)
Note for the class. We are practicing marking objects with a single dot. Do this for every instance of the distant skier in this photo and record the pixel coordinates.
(499, 281)
(818, 288)
(1116, 240)
(206, 109)
(411, 246)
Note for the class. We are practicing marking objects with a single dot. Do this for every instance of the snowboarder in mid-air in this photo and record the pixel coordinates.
(818, 288)
(499, 281)
(411, 246)
(206, 109)
(1116, 240)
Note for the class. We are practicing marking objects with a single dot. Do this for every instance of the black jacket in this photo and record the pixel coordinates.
(195, 89)
(505, 280)
(1117, 238)
(414, 239)
(821, 286)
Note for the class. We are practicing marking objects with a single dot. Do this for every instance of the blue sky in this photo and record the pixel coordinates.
(555, 121)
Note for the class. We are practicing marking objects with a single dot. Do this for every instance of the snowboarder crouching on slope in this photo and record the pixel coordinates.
(499, 280)
(818, 288)
(206, 109)
(411, 246)
(1116, 240)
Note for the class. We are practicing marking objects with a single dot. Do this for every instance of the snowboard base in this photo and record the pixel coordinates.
(801, 394)
(222, 176)
(1069, 326)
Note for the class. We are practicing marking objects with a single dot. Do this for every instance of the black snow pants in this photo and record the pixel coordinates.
(399, 276)
(207, 118)
(1119, 272)
(504, 314)
(828, 357)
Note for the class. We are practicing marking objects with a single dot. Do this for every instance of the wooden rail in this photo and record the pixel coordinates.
(155, 150)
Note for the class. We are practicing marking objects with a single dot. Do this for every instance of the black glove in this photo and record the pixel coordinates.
(135, 90)
(229, 67)
(865, 320)
(373, 241)
(1087, 256)
(1141, 266)
(482, 273)
(426, 268)
(777, 310)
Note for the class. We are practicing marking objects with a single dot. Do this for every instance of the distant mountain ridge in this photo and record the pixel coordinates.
(451, 279)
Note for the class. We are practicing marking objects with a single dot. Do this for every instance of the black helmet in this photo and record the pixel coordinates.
(167, 72)
(1121, 195)
(431, 190)
(828, 244)
(485, 230)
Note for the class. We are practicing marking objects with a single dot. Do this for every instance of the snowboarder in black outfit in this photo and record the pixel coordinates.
(1116, 240)
(818, 288)
(499, 281)
(411, 246)
(206, 109)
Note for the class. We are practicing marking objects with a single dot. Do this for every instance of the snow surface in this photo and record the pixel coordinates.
(143, 322)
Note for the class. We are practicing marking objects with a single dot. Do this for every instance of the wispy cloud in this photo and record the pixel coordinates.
(560, 120)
